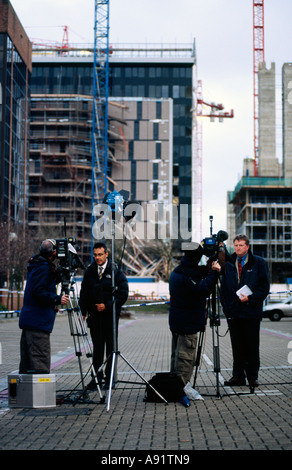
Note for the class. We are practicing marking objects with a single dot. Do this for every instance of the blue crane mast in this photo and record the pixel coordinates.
(100, 103)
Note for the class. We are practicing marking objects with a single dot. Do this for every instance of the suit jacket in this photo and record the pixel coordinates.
(255, 275)
(95, 290)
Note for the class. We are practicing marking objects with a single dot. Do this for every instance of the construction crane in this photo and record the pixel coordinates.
(258, 58)
(216, 111)
(100, 103)
(44, 45)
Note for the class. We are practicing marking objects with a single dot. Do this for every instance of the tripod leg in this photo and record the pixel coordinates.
(76, 344)
(78, 330)
(198, 356)
(144, 380)
(216, 357)
(111, 380)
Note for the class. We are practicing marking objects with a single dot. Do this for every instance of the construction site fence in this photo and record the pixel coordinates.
(154, 301)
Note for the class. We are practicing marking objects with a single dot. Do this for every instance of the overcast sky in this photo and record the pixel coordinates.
(223, 30)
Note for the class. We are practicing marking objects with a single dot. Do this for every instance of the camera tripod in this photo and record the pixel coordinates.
(214, 324)
(80, 338)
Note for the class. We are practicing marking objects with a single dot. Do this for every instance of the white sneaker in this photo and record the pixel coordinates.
(191, 393)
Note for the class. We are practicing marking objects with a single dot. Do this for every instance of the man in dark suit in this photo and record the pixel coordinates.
(244, 311)
(96, 304)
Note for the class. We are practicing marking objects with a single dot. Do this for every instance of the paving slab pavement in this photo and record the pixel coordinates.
(233, 419)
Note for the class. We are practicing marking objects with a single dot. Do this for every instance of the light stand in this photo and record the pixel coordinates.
(79, 333)
(113, 199)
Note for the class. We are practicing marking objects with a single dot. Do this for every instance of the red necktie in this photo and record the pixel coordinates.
(239, 267)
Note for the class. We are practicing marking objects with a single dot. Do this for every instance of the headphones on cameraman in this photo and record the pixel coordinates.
(45, 249)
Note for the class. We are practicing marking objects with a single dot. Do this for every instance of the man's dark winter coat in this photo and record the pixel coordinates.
(255, 276)
(189, 287)
(40, 296)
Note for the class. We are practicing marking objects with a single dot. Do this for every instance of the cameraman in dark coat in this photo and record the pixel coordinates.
(189, 287)
(244, 312)
(96, 303)
(38, 313)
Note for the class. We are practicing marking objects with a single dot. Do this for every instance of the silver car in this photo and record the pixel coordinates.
(275, 311)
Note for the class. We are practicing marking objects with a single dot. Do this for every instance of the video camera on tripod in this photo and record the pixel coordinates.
(69, 262)
(68, 259)
(213, 248)
(213, 245)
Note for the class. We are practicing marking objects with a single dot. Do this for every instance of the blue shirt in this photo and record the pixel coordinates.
(243, 259)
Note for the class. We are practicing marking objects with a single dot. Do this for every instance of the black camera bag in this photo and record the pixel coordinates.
(168, 384)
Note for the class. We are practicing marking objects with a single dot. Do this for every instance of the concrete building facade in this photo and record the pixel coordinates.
(261, 204)
(287, 119)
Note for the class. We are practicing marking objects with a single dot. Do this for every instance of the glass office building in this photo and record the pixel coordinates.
(15, 72)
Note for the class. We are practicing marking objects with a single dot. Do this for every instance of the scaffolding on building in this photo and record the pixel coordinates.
(60, 164)
(137, 258)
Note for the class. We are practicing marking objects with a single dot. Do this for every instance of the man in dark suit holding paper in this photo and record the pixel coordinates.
(244, 287)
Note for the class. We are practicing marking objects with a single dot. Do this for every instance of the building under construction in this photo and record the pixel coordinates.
(261, 204)
(60, 171)
(149, 150)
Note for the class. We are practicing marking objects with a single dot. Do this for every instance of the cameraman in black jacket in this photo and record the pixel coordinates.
(189, 286)
(96, 303)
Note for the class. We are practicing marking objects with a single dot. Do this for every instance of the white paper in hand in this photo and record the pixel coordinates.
(245, 290)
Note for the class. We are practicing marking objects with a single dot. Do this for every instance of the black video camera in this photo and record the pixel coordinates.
(67, 254)
(211, 245)
(69, 260)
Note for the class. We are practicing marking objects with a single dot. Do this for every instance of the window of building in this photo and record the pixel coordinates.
(155, 171)
(139, 110)
(131, 148)
(155, 131)
(136, 130)
(158, 150)
(164, 91)
(158, 109)
(175, 91)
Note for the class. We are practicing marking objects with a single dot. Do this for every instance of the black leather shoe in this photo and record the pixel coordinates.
(234, 382)
(253, 383)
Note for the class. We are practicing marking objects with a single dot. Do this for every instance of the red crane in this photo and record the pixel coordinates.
(216, 111)
(258, 58)
(45, 44)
